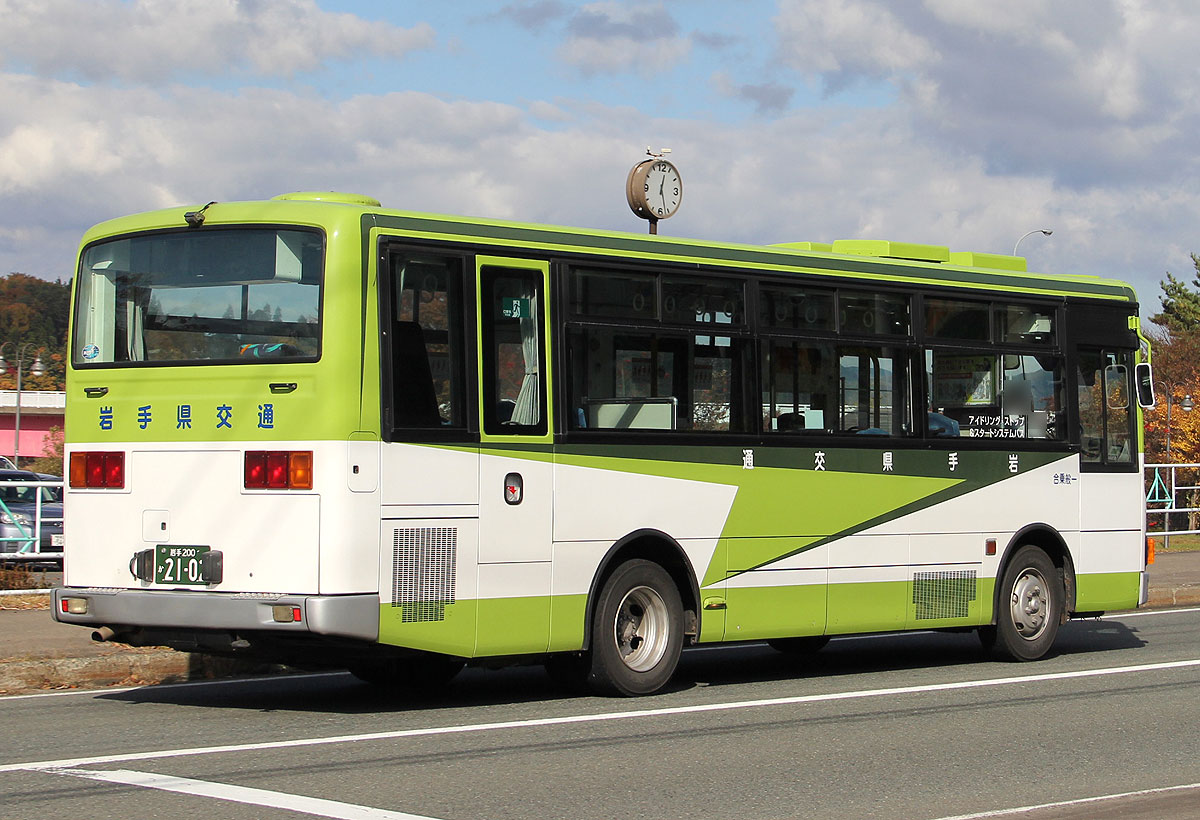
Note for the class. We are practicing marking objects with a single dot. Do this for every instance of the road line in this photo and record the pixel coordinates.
(242, 794)
(116, 690)
(1083, 801)
(1117, 616)
(669, 711)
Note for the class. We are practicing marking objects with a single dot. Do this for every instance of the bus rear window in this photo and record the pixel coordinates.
(228, 296)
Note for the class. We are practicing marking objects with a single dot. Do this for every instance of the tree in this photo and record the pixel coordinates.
(34, 311)
(1177, 373)
(52, 462)
(1180, 303)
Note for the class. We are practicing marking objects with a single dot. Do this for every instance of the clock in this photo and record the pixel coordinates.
(654, 189)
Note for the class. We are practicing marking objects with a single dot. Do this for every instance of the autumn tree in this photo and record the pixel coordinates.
(34, 312)
(1177, 374)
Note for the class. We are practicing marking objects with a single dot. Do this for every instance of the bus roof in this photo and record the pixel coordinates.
(874, 260)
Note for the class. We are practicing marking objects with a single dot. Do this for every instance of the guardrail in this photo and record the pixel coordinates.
(1167, 485)
(28, 531)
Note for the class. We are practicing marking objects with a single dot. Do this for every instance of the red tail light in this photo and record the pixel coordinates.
(91, 470)
(278, 470)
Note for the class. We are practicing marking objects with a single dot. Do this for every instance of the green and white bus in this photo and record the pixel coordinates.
(315, 431)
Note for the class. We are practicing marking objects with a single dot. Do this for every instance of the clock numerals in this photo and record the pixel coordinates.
(661, 190)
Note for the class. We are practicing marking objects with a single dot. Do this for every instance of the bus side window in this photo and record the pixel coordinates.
(1104, 412)
(425, 329)
(513, 370)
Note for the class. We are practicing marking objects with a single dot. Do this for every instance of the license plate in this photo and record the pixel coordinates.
(58, 540)
(179, 565)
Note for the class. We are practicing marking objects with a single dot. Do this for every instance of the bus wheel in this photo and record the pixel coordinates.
(799, 647)
(425, 674)
(637, 632)
(1030, 608)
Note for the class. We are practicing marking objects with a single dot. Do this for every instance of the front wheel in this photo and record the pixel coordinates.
(637, 631)
(1029, 610)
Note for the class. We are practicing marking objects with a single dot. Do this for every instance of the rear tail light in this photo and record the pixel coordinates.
(90, 470)
(278, 470)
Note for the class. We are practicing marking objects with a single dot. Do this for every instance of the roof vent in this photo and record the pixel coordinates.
(892, 250)
(331, 196)
(823, 247)
(997, 261)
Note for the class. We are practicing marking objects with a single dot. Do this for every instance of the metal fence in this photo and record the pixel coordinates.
(31, 521)
(1172, 500)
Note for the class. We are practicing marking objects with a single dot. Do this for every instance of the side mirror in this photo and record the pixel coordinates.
(1143, 379)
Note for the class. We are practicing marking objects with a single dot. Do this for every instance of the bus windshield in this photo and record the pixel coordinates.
(228, 296)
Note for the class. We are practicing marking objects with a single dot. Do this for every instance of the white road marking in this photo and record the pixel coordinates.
(601, 717)
(242, 794)
(1142, 613)
(1083, 801)
(116, 690)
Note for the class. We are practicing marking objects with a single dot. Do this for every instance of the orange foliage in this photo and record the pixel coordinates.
(1177, 373)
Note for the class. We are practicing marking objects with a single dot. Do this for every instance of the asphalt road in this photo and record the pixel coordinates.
(916, 726)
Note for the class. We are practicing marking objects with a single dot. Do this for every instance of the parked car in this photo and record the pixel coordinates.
(6, 463)
(20, 510)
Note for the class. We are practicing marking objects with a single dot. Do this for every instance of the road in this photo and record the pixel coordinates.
(916, 726)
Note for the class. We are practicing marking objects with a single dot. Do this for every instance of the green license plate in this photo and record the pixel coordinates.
(179, 565)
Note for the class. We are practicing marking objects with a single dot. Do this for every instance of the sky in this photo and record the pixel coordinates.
(947, 122)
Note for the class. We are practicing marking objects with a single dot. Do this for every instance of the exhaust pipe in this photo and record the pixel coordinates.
(103, 634)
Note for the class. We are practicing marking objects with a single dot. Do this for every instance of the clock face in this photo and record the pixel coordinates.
(662, 190)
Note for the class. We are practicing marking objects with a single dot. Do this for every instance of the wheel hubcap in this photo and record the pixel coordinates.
(1030, 604)
(641, 628)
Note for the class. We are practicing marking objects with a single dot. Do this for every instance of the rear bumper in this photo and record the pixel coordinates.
(342, 616)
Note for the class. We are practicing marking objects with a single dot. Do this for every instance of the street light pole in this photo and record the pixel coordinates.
(37, 369)
(1186, 404)
(1042, 231)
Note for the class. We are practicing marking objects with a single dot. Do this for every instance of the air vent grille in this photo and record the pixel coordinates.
(939, 595)
(423, 560)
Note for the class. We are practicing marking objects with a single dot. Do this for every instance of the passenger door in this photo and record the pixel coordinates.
(516, 466)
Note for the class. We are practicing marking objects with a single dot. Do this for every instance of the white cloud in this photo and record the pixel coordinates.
(1087, 91)
(613, 37)
(156, 41)
(1077, 120)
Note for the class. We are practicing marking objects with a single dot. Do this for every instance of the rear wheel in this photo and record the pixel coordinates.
(637, 631)
(1029, 609)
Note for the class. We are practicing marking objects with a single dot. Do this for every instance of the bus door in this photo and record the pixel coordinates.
(516, 465)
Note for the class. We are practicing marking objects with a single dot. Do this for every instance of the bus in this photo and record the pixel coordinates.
(318, 432)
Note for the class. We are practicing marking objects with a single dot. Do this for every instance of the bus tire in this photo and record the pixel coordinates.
(1029, 608)
(425, 674)
(799, 647)
(637, 631)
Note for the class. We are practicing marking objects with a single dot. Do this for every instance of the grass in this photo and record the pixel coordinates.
(1179, 543)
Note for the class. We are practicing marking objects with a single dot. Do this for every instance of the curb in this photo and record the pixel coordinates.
(132, 667)
(1166, 597)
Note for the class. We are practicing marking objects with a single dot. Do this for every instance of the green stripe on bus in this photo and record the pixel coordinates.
(669, 249)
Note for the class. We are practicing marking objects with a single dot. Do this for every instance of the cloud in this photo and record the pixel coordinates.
(767, 98)
(534, 15)
(612, 37)
(157, 41)
(819, 175)
(1089, 91)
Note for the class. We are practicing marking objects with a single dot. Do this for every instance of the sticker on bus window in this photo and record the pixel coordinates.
(515, 308)
(91, 351)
